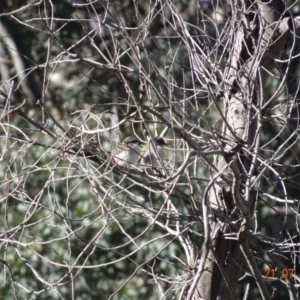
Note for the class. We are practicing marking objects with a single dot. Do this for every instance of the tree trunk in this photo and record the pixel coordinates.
(226, 248)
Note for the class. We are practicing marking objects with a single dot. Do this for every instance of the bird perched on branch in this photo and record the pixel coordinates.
(127, 152)
(152, 151)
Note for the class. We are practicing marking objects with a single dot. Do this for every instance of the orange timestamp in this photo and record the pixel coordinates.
(285, 273)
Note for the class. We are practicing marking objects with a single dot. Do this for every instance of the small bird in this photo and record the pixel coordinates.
(150, 157)
(127, 152)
